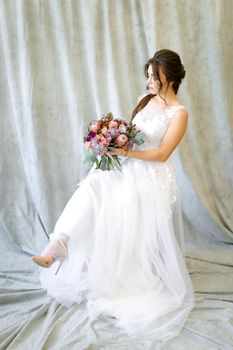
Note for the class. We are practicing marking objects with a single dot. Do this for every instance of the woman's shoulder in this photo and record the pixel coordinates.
(180, 107)
(177, 111)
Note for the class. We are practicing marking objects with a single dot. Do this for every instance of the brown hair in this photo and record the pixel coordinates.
(170, 63)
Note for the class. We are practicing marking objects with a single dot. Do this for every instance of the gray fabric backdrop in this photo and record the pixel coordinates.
(63, 63)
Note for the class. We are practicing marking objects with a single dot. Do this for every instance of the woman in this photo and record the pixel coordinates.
(120, 235)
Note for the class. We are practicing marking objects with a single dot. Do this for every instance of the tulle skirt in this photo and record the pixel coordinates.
(126, 250)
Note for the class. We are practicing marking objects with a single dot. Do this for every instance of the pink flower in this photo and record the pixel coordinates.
(103, 140)
(95, 126)
(105, 143)
(121, 140)
(113, 124)
(104, 130)
(87, 145)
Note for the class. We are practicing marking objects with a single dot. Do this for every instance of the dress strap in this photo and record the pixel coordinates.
(169, 112)
(180, 107)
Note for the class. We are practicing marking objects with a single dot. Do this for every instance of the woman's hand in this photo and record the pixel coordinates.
(118, 152)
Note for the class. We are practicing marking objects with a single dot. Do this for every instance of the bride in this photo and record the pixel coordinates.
(119, 241)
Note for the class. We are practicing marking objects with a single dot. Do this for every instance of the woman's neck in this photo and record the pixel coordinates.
(169, 97)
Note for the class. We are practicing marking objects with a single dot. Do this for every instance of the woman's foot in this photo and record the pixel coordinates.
(56, 250)
(47, 261)
(43, 261)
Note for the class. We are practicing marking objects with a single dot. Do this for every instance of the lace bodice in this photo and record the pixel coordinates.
(153, 121)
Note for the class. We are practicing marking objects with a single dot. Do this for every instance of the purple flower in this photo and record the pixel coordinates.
(94, 142)
(122, 128)
(108, 137)
(98, 147)
(113, 132)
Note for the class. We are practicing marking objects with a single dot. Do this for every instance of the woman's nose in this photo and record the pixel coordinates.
(150, 80)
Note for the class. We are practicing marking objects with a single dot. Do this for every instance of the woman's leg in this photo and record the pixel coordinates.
(57, 247)
(75, 222)
(76, 219)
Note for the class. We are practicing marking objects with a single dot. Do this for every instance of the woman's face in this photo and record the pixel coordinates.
(153, 83)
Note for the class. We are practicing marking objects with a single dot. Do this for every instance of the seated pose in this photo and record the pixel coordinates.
(119, 241)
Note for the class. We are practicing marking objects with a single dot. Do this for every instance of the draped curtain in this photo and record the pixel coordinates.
(63, 63)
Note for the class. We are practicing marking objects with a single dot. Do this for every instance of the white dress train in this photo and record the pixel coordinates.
(125, 242)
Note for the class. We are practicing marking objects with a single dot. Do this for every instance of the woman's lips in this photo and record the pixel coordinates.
(152, 87)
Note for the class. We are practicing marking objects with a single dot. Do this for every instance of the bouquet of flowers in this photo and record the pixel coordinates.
(107, 132)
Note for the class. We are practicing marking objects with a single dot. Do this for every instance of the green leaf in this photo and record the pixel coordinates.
(115, 161)
(132, 133)
(139, 138)
(90, 156)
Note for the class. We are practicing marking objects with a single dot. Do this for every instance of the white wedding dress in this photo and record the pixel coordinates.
(125, 252)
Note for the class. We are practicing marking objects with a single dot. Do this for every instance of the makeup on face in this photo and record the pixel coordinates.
(153, 84)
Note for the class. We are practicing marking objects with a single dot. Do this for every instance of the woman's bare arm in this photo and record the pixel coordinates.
(171, 139)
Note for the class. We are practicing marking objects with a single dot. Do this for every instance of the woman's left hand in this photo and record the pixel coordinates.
(118, 152)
